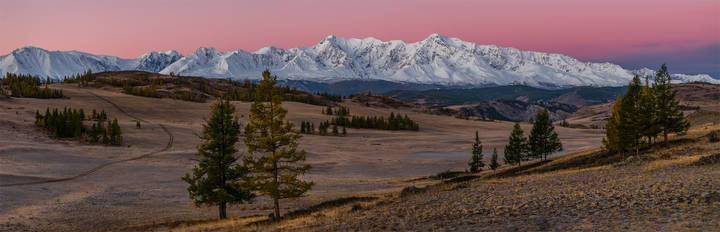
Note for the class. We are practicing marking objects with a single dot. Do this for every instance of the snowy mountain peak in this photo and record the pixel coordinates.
(207, 52)
(434, 36)
(155, 61)
(28, 49)
(435, 60)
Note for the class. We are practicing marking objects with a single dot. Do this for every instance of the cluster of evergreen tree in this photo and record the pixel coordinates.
(68, 123)
(341, 111)
(643, 113)
(303, 98)
(542, 141)
(476, 161)
(391, 123)
(307, 127)
(334, 129)
(271, 167)
(83, 79)
(22, 85)
(189, 96)
(110, 134)
(331, 97)
(144, 91)
(323, 128)
(564, 123)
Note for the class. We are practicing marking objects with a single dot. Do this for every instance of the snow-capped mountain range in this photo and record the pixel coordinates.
(435, 60)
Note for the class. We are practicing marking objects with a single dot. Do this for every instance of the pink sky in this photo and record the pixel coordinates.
(587, 29)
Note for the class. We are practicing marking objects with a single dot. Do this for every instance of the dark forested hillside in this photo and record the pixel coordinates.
(445, 97)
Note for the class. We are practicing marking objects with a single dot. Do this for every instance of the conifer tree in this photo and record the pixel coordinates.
(647, 112)
(494, 160)
(103, 131)
(116, 134)
(476, 163)
(274, 148)
(670, 118)
(218, 180)
(631, 124)
(516, 149)
(543, 139)
(612, 140)
(344, 131)
(335, 130)
(137, 124)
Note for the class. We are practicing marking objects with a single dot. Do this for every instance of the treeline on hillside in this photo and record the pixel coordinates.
(83, 79)
(144, 91)
(323, 129)
(391, 123)
(331, 97)
(69, 123)
(643, 113)
(196, 89)
(21, 85)
(341, 111)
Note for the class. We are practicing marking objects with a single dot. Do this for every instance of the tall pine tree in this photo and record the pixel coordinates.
(273, 145)
(631, 123)
(670, 118)
(648, 113)
(543, 139)
(218, 179)
(494, 160)
(516, 149)
(612, 140)
(476, 163)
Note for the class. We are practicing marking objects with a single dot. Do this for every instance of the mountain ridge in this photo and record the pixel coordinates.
(436, 60)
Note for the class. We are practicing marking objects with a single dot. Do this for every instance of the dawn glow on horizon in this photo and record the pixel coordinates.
(630, 33)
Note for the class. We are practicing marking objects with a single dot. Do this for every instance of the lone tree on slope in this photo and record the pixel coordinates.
(273, 146)
(670, 118)
(476, 163)
(218, 179)
(543, 139)
(494, 160)
(516, 149)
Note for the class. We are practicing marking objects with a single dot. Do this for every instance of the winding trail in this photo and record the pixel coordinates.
(169, 144)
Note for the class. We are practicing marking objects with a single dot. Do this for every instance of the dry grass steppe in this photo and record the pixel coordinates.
(663, 189)
(48, 184)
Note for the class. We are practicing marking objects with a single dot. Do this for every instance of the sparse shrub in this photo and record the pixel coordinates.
(411, 190)
(710, 159)
(447, 174)
(356, 207)
(714, 136)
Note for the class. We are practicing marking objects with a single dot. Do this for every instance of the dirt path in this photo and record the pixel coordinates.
(169, 144)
